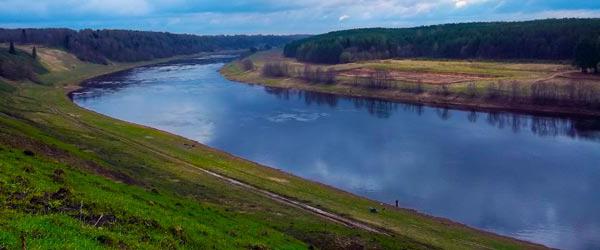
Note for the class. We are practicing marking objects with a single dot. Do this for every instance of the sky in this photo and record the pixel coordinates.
(277, 17)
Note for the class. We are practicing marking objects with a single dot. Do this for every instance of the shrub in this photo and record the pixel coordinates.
(247, 64)
(276, 69)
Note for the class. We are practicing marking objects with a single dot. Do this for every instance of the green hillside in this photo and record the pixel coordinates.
(20, 65)
(74, 179)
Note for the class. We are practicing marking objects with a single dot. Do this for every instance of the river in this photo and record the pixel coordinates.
(531, 177)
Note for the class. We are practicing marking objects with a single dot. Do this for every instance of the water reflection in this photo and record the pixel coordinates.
(543, 126)
(308, 97)
(527, 176)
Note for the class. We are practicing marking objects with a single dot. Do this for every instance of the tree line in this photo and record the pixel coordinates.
(103, 46)
(377, 79)
(551, 39)
(587, 54)
(311, 74)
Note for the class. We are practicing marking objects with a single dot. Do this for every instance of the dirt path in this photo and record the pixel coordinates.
(321, 213)
(273, 196)
(189, 167)
(555, 75)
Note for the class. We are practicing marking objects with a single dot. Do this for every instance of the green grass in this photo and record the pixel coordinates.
(5, 87)
(135, 218)
(149, 181)
(22, 57)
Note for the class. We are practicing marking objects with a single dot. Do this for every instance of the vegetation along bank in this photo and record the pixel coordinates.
(472, 66)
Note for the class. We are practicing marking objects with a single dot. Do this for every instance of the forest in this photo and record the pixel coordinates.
(550, 39)
(103, 46)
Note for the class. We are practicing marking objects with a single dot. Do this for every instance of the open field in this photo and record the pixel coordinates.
(426, 77)
(71, 178)
(556, 89)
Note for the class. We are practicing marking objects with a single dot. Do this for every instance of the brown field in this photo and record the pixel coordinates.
(422, 77)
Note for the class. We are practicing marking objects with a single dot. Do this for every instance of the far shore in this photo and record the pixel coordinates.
(456, 100)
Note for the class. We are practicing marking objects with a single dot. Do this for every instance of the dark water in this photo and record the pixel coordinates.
(531, 177)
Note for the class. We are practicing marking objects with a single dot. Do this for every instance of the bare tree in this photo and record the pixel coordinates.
(247, 64)
(330, 76)
(379, 79)
(471, 90)
(442, 90)
(515, 90)
(276, 69)
(11, 48)
(492, 90)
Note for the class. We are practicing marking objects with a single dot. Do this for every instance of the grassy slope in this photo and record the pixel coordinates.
(522, 73)
(142, 181)
(23, 58)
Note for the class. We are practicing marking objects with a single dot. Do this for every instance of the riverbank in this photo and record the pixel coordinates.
(164, 193)
(479, 86)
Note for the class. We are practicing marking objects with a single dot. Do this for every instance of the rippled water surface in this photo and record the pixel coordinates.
(531, 177)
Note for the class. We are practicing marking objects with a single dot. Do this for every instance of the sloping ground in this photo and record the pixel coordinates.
(20, 65)
(55, 205)
(54, 60)
(67, 173)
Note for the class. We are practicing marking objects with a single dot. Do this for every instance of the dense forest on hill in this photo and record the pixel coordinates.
(551, 39)
(102, 46)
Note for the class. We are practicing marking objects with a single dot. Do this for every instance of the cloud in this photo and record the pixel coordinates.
(460, 3)
(274, 16)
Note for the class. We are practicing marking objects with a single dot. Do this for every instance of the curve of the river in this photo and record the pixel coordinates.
(535, 178)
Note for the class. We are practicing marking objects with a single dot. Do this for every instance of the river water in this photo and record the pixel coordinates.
(535, 178)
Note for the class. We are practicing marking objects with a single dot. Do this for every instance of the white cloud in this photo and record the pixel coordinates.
(269, 16)
(460, 3)
(463, 3)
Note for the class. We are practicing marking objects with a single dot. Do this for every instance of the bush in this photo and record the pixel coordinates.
(276, 69)
(247, 65)
(379, 79)
(415, 88)
(571, 94)
(346, 57)
(317, 75)
(471, 90)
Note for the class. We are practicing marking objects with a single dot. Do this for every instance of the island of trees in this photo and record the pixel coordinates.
(575, 40)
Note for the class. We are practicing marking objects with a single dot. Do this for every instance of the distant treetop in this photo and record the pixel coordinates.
(102, 46)
(551, 39)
